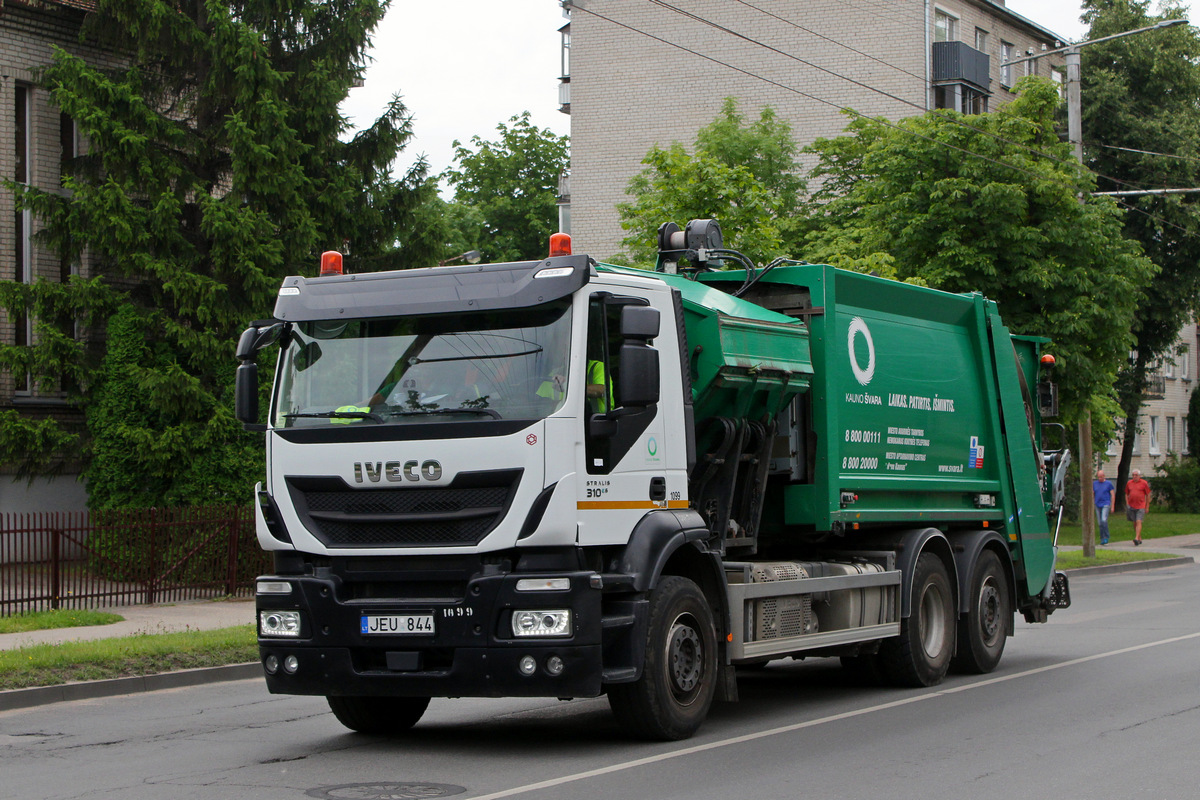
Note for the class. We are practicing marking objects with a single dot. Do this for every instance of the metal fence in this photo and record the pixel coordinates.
(112, 558)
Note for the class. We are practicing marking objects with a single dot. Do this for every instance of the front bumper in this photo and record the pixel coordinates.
(471, 653)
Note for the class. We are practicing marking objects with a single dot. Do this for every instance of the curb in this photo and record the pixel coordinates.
(89, 690)
(1132, 566)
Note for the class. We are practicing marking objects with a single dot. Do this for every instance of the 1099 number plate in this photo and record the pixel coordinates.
(397, 624)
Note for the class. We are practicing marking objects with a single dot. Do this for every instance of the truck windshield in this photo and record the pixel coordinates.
(509, 364)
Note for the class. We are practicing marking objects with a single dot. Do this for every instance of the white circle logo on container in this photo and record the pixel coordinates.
(862, 374)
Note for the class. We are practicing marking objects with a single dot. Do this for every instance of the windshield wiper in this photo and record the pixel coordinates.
(398, 411)
(337, 415)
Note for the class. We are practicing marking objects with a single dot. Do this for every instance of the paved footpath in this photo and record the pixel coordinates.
(198, 615)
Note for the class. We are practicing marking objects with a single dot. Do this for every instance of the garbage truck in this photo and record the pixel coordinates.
(566, 479)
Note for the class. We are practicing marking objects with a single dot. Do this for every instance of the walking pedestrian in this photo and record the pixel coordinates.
(1102, 496)
(1137, 502)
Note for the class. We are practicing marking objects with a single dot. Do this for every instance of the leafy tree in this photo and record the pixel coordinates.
(744, 175)
(215, 167)
(990, 203)
(511, 187)
(1141, 126)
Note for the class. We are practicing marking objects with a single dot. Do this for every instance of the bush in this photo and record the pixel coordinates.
(1071, 493)
(1178, 485)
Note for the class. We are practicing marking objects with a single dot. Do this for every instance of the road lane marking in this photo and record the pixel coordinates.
(750, 737)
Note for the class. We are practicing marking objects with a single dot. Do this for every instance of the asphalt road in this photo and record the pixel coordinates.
(1102, 702)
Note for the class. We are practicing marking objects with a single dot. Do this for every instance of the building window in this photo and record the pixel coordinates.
(1006, 54)
(1059, 76)
(1137, 443)
(1170, 442)
(981, 40)
(945, 27)
(1183, 365)
(1154, 451)
(1168, 367)
(961, 98)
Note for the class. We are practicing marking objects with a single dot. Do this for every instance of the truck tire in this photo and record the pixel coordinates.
(984, 630)
(679, 677)
(920, 655)
(378, 714)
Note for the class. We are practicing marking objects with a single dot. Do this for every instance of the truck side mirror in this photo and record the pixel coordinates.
(245, 393)
(639, 322)
(638, 386)
(639, 375)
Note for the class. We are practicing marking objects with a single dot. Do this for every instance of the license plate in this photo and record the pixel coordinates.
(397, 624)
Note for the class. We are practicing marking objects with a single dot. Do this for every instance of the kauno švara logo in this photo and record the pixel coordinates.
(652, 446)
(862, 374)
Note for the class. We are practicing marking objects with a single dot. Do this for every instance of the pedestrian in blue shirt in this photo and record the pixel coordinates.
(1102, 496)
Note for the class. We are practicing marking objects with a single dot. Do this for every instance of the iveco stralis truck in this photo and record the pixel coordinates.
(563, 479)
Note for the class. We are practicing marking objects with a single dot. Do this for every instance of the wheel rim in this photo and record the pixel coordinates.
(989, 611)
(685, 659)
(933, 621)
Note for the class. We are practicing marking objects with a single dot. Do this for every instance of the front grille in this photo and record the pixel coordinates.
(461, 513)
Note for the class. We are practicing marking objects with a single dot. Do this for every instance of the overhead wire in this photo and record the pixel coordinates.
(845, 109)
(920, 107)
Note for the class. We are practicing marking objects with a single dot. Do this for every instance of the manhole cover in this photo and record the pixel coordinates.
(385, 790)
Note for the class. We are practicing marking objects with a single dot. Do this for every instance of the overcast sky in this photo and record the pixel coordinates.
(463, 67)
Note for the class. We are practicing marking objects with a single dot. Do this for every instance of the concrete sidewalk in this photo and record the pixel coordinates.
(1181, 546)
(196, 615)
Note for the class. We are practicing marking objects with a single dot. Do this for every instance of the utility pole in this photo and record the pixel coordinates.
(1075, 135)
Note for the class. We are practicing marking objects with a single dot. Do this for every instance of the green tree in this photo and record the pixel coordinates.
(215, 167)
(744, 175)
(511, 187)
(989, 203)
(1141, 126)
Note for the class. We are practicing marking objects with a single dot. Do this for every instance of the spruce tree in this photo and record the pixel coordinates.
(215, 166)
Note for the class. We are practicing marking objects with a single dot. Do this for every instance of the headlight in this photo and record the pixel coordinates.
(555, 622)
(279, 623)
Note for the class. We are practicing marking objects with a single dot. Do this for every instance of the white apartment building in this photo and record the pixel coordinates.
(638, 73)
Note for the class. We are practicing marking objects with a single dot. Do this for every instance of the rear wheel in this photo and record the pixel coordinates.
(378, 714)
(920, 655)
(983, 632)
(672, 697)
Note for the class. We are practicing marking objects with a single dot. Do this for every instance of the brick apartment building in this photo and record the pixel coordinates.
(637, 73)
(1162, 423)
(36, 139)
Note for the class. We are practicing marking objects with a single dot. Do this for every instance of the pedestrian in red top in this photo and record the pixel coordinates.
(1137, 501)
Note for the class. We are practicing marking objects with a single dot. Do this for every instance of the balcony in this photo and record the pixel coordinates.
(1156, 387)
(564, 96)
(958, 62)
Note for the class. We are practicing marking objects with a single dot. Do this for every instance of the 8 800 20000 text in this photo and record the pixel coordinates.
(857, 462)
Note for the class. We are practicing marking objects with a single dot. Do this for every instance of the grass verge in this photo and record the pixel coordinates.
(1157, 524)
(1073, 559)
(62, 618)
(144, 654)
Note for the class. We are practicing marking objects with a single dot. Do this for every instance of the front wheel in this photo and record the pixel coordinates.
(672, 697)
(378, 714)
(920, 655)
(983, 632)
